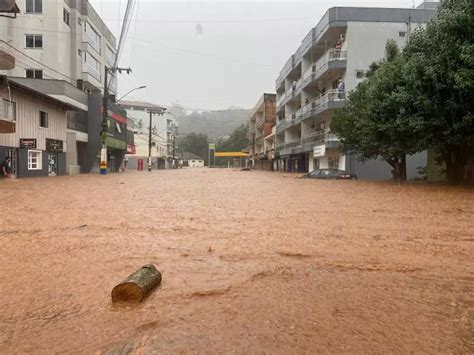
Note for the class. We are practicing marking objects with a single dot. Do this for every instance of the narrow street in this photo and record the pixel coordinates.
(252, 262)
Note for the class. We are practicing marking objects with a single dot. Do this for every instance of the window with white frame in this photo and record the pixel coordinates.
(93, 36)
(34, 160)
(34, 6)
(9, 109)
(93, 66)
(34, 73)
(34, 41)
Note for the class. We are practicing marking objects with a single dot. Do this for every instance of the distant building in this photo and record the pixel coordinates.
(261, 141)
(164, 132)
(330, 61)
(192, 160)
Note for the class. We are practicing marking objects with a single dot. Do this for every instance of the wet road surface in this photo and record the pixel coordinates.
(252, 262)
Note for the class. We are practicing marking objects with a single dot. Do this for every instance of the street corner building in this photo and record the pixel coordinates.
(154, 131)
(261, 133)
(330, 62)
(33, 129)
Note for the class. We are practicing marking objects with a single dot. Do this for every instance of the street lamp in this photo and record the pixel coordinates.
(137, 88)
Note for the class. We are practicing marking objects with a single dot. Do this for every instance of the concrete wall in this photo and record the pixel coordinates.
(61, 43)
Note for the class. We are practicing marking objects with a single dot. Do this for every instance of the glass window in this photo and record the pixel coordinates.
(34, 73)
(34, 41)
(34, 160)
(9, 110)
(109, 56)
(93, 36)
(43, 119)
(34, 6)
(66, 17)
(93, 65)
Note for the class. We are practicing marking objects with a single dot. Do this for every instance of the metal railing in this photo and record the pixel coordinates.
(328, 96)
(331, 55)
(323, 136)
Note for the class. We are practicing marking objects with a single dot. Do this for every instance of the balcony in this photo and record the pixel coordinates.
(320, 137)
(332, 59)
(332, 99)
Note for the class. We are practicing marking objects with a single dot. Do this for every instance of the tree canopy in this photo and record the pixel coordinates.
(421, 98)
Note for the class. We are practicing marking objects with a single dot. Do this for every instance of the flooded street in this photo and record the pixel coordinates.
(252, 262)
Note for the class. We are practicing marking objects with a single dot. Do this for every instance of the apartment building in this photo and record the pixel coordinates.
(164, 131)
(59, 39)
(331, 60)
(261, 120)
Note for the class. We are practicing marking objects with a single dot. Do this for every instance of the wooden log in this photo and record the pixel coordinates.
(138, 285)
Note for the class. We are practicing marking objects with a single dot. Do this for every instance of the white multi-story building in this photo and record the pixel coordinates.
(331, 60)
(59, 39)
(164, 132)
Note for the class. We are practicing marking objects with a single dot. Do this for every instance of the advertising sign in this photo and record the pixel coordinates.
(29, 143)
(319, 150)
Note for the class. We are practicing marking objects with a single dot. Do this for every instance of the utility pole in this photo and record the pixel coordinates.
(105, 114)
(149, 142)
(149, 135)
(174, 148)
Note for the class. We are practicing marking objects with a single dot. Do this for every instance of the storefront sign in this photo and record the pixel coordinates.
(131, 149)
(54, 145)
(319, 150)
(29, 143)
(212, 146)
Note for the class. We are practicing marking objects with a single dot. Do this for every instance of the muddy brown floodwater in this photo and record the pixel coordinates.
(252, 262)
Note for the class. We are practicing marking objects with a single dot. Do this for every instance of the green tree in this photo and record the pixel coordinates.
(380, 116)
(195, 143)
(441, 59)
(236, 142)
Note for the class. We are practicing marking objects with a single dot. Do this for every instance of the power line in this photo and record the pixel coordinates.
(36, 61)
(198, 20)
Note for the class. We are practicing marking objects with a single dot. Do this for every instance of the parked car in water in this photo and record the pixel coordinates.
(330, 174)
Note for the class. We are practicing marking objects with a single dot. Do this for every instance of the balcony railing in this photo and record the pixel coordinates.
(329, 96)
(323, 136)
(281, 99)
(296, 115)
(331, 55)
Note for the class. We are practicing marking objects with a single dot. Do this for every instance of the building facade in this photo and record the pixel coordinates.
(331, 60)
(261, 120)
(164, 132)
(59, 39)
(34, 130)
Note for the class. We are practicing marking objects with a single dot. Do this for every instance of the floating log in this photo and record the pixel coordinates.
(138, 285)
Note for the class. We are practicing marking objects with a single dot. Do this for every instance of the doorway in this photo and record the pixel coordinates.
(11, 153)
(52, 164)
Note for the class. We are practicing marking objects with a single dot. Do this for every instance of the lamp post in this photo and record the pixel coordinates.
(128, 93)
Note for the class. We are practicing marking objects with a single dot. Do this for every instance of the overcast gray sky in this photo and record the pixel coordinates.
(212, 55)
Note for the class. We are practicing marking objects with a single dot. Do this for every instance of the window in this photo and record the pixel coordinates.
(34, 41)
(360, 74)
(34, 6)
(402, 34)
(34, 73)
(66, 17)
(43, 119)
(109, 56)
(9, 110)
(93, 36)
(93, 66)
(34, 160)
